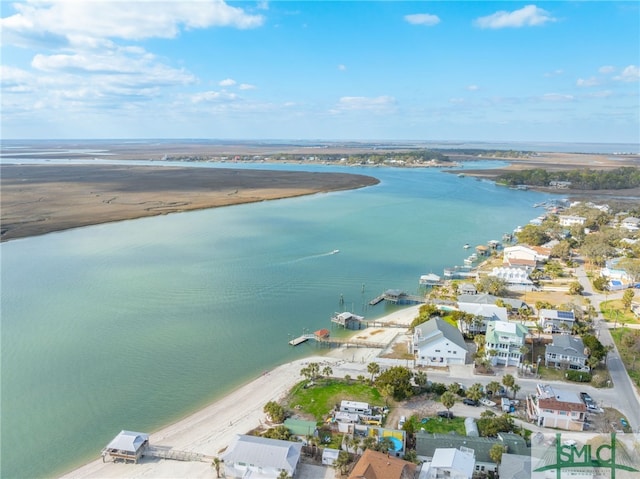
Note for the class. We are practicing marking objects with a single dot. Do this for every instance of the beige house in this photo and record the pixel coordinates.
(556, 408)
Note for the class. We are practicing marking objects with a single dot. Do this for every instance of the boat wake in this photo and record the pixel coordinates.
(313, 256)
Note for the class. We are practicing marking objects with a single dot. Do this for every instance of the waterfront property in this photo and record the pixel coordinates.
(506, 339)
(566, 352)
(127, 445)
(484, 314)
(557, 408)
(261, 457)
(347, 320)
(437, 343)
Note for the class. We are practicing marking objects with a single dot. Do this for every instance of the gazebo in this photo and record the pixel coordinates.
(127, 445)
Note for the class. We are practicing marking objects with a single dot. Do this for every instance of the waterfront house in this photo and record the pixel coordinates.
(450, 463)
(525, 256)
(566, 352)
(347, 320)
(378, 465)
(556, 408)
(554, 321)
(468, 289)
(127, 445)
(427, 443)
(506, 339)
(438, 343)
(261, 457)
(513, 305)
(514, 278)
(571, 220)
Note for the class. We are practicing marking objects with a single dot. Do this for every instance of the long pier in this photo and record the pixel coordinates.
(301, 339)
(163, 452)
(334, 342)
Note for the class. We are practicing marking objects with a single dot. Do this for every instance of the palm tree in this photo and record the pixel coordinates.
(327, 371)
(373, 369)
(515, 388)
(216, 463)
(448, 399)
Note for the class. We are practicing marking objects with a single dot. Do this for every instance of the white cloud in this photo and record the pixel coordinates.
(380, 104)
(473, 88)
(629, 74)
(227, 82)
(588, 82)
(600, 94)
(422, 19)
(246, 86)
(525, 17)
(556, 97)
(213, 96)
(342, 68)
(52, 22)
(456, 101)
(606, 69)
(554, 73)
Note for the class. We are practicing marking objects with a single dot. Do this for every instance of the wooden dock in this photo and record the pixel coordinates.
(301, 339)
(163, 452)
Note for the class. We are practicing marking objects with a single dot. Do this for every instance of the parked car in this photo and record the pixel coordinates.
(487, 402)
(624, 422)
(447, 414)
(470, 402)
(401, 422)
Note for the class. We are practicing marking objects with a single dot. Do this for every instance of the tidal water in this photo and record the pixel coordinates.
(135, 324)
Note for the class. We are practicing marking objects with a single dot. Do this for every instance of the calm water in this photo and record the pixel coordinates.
(135, 324)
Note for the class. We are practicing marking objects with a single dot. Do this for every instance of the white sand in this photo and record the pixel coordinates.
(210, 430)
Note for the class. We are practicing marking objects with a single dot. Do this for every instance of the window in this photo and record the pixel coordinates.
(437, 350)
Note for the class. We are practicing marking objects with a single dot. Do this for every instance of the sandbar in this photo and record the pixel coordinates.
(39, 199)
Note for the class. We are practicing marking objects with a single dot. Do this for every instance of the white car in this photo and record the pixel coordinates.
(487, 402)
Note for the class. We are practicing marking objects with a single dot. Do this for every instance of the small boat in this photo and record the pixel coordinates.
(335, 251)
(466, 246)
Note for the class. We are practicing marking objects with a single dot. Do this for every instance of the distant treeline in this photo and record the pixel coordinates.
(489, 153)
(585, 179)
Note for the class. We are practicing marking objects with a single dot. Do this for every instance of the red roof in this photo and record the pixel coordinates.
(555, 405)
(322, 333)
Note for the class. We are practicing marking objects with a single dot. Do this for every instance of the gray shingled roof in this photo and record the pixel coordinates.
(427, 443)
(450, 332)
(567, 345)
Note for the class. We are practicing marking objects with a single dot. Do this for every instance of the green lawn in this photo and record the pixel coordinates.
(321, 398)
(614, 311)
(442, 426)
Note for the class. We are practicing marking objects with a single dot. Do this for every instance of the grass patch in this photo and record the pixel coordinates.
(629, 356)
(440, 425)
(614, 311)
(321, 398)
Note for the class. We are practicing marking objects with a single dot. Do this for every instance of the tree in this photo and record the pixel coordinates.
(492, 285)
(508, 381)
(532, 235)
(596, 348)
(448, 399)
(327, 371)
(495, 453)
(216, 464)
(284, 475)
(515, 388)
(275, 411)
(398, 381)
(494, 387)
(311, 371)
(279, 432)
(369, 442)
(627, 298)
(342, 461)
(420, 378)
(575, 288)
(475, 391)
(373, 369)
(561, 250)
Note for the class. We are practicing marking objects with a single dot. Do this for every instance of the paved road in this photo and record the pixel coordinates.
(625, 397)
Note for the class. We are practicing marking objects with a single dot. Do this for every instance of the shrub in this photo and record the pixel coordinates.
(578, 376)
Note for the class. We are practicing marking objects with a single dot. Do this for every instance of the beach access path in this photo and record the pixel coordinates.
(210, 430)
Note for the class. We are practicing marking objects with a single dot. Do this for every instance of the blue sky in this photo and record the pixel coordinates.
(364, 70)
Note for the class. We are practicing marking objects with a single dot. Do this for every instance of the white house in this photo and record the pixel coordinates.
(557, 408)
(554, 321)
(506, 338)
(631, 223)
(253, 456)
(437, 343)
(451, 463)
(570, 220)
(526, 256)
(513, 277)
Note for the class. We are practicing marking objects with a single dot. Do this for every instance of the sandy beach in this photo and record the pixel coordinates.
(210, 430)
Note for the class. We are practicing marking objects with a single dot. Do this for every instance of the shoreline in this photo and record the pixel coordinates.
(209, 430)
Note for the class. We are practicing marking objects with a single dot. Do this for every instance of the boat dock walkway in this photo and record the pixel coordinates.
(164, 452)
(335, 343)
